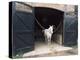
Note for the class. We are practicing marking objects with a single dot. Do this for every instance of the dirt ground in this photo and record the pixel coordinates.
(41, 50)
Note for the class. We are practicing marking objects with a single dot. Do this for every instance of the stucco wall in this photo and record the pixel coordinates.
(63, 7)
(69, 9)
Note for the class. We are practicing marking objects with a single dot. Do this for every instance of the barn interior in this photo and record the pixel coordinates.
(45, 17)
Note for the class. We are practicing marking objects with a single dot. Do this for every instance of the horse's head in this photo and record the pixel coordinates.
(51, 29)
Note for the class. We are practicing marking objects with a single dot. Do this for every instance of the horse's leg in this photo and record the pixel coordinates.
(45, 39)
(49, 39)
(49, 43)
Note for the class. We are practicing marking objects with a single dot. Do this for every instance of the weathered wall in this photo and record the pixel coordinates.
(63, 7)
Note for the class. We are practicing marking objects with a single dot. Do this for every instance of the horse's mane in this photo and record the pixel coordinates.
(50, 29)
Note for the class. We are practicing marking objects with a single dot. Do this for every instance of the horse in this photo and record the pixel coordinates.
(48, 34)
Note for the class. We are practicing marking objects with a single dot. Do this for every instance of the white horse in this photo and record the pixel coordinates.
(48, 34)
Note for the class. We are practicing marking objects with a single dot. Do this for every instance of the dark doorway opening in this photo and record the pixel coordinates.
(48, 16)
